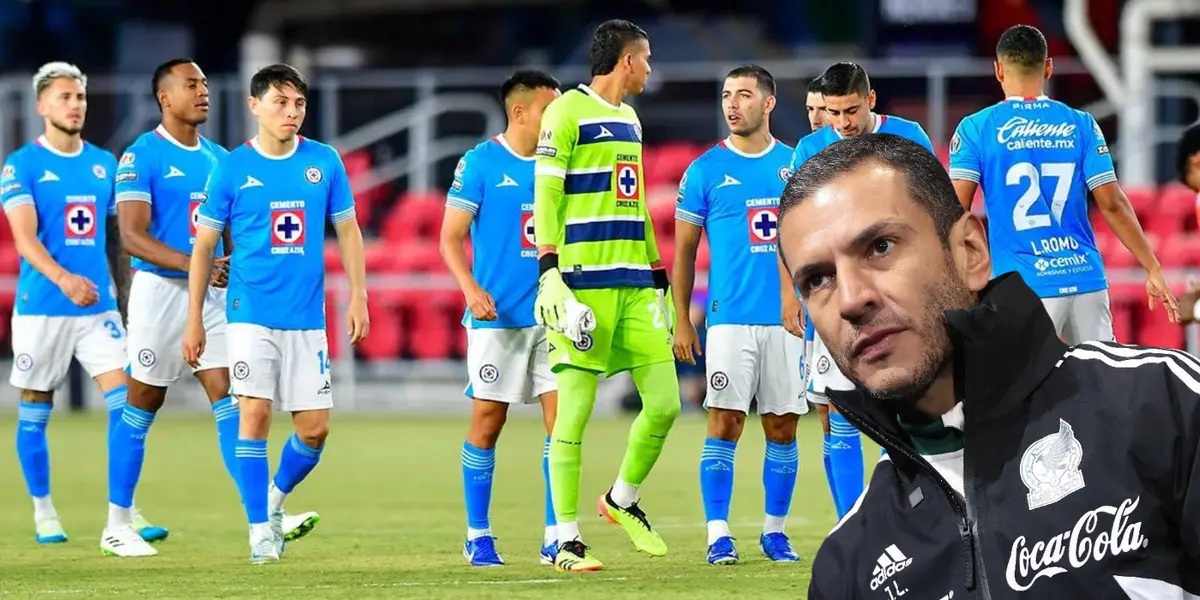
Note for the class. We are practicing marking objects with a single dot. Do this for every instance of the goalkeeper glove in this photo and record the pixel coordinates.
(666, 305)
(550, 306)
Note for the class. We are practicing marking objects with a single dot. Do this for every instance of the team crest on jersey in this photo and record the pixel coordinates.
(585, 343)
(193, 216)
(146, 357)
(764, 224)
(24, 362)
(627, 181)
(1050, 467)
(9, 172)
(313, 175)
(287, 229)
(719, 381)
(127, 159)
(785, 174)
(955, 144)
(99, 171)
(528, 239)
(489, 373)
(80, 224)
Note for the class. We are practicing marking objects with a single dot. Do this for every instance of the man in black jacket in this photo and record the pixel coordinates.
(1016, 467)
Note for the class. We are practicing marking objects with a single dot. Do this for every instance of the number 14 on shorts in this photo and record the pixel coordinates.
(323, 362)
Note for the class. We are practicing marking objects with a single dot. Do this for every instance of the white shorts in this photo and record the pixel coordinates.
(1082, 317)
(288, 367)
(509, 365)
(823, 373)
(43, 348)
(157, 316)
(744, 362)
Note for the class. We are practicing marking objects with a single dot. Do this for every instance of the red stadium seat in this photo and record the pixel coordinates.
(1144, 201)
(667, 163)
(419, 256)
(430, 335)
(414, 216)
(1180, 250)
(10, 260)
(387, 331)
(333, 324)
(1155, 330)
(1122, 315)
(1178, 202)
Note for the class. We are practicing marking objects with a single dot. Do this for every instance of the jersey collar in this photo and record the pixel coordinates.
(254, 144)
(503, 141)
(166, 135)
(585, 88)
(1026, 98)
(876, 118)
(45, 143)
(728, 143)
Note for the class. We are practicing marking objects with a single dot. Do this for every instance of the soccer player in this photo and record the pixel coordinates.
(731, 193)
(159, 187)
(267, 192)
(507, 359)
(596, 247)
(1036, 160)
(849, 100)
(814, 103)
(57, 193)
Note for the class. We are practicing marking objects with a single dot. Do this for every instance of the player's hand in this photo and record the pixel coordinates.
(1157, 291)
(219, 277)
(480, 303)
(80, 290)
(687, 341)
(358, 322)
(793, 315)
(550, 306)
(1187, 301)
(194, 339)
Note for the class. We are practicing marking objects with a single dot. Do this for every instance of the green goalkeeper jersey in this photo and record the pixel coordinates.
(588, 198)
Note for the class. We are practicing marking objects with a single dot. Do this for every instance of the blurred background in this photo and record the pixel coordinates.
(403, 87)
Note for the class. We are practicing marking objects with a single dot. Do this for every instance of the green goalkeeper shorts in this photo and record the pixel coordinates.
(630, 332)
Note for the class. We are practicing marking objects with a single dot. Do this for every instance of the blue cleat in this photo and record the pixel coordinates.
(481, 552)
(722, 552)
(150, 533)
(549, 553)
(50, 531)
(778, 548)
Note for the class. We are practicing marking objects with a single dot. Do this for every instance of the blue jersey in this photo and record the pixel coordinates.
(73, 196)
(1035, 160)
(735, 198)
(495, 184)
(277, 271)
(161, 171)
(827, 135)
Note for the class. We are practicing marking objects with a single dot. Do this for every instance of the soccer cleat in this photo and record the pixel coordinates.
(298, 526)
(276, 524)
(549, 553)
(150, 533)
(125, 542)
(264, 546)
(481, 552)
(722, 552)
(635, 524)
(778, 547)
(573, 556)
(50, 531)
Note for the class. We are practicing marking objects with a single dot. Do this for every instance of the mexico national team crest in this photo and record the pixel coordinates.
(313, 175)
(1050, 467)
(287, 231)
(764, 224)
(627, 181)
(80, 224)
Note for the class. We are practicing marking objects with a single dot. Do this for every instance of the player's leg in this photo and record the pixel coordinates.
(254, 352)
(731, 367)
(544, 389)
(41, 356)
(781, 401)
(642, 345)
(818, 400)
(1090, 320)
(1059, 310)
(845, 443)
(213, 375)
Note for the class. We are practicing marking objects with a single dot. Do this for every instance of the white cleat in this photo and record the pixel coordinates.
(123, 541)
(277, 530)
(297, 526)
(264, 547)
(50, 531)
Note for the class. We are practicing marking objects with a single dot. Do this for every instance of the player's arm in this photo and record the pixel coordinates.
(350, 242)
(964, 164)
(211, 218)
(118, 262)
(462, 204)
(556, 144)
(792, 309)
(134, 175)
(691, 214)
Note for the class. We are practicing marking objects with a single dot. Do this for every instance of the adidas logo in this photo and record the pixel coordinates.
(889, 563)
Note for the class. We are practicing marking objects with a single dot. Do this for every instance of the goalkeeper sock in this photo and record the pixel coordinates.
(128, 453)
(550, 520)
(846, 460)
(659, 388)
(295, 463)
(780, 465)
(576, 396)
(253, 478)
(33, 452)
(829, 470)
(478, 464)
(225, 414)
(716, 485)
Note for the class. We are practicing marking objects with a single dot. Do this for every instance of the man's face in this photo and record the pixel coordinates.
(280, 111)
(850, 115)
(64, 103)
(743, 105)
(186, 94)
(637, 61)
(877, 280)
(533, 104)
(1192, 178)
(815, 104)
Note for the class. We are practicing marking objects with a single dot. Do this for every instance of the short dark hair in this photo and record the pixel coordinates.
(1023, 46)
(766, 81)
(1189, 145)
(609, 42)
(845, 78)
(814, 86)
(928, 183)
(161, 72)
(277, 76)
(527, 80)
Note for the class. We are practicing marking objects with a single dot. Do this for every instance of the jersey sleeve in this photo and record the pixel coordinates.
(691, 205)
(466, 193)
(218, 199)
(555, 146)
(16, 186)
(1097, 162)
(111, 166)
(964, 154)
(133, 175)
(799, 156)
(341, 196)
(919, 136)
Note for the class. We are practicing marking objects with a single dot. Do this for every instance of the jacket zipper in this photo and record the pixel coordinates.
(966, 526)
(973, 523)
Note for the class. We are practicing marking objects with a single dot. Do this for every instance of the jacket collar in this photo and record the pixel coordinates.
(1004, 347)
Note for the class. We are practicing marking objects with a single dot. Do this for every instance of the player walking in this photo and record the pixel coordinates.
(57, 193)
(849, 100)
(267, 192)
(1037, 159)
(507, 360)
(596, 247)
(731, 192)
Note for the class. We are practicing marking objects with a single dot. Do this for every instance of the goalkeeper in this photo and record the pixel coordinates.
(598, 259)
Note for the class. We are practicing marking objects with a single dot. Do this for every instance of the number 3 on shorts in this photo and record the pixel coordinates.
(114, 330)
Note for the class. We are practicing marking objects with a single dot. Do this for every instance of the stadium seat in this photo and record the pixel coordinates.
(333, 324)
(1122, 316)
(414, 216)
(417, 256)
(1144, 201)
(10, 260)
(429, 335)
(1178, 203)
(1180, 250)
(387, 331)
(1154, 329)
(380, 257)
(667, 163)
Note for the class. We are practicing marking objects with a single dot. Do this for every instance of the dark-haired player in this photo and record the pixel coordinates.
(814, 104)
(507, 359)
(274, 194)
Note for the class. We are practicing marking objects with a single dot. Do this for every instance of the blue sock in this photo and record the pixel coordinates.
(780, 465)
(32, 451)
(551, 520)
(225, 412)
(295, 463)
(846, 460)
(477, 468)
(115, 399)
(829, 471)
(716, 478)
(128, 446)
(253, 478)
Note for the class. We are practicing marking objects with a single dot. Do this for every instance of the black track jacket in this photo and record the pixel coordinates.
(1079, 467)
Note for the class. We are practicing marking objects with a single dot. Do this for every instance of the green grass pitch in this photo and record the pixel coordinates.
(389, 493)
